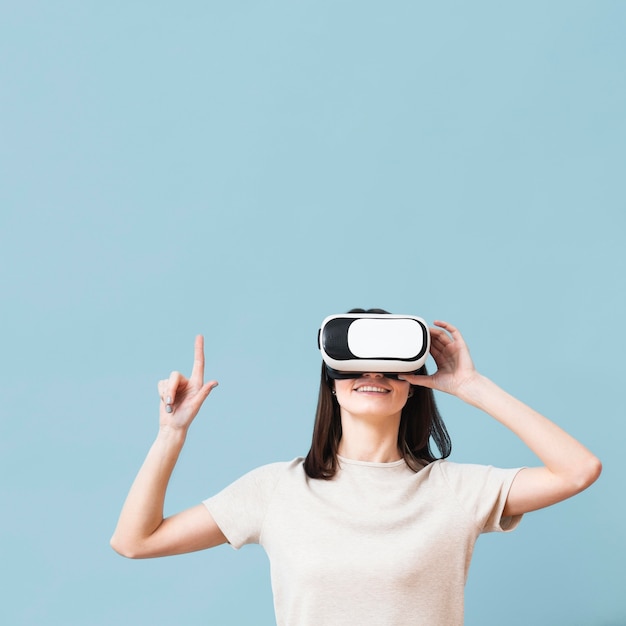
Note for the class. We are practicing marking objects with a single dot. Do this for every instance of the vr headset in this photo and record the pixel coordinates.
(354, 343)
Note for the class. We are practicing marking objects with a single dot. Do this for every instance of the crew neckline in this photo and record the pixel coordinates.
(347, 461)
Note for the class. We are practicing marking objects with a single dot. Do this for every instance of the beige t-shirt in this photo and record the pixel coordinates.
(377, 545)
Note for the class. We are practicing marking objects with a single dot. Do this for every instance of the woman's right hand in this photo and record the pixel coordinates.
(181, 398)
(142, 531)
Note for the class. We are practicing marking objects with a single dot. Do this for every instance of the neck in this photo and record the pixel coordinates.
(374, 441)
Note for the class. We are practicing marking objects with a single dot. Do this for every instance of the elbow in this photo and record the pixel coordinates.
(124, 549)
(589, 472)
(594, 470)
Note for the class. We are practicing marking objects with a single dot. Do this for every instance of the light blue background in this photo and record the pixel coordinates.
(244, 169)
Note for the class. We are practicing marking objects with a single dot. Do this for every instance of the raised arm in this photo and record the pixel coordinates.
(142, 531)
(568, 467)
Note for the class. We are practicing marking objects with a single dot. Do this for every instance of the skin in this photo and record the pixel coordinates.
(370, 421)
(142, 531)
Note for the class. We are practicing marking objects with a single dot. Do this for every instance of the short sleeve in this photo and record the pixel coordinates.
(239, 509)
(482, 491)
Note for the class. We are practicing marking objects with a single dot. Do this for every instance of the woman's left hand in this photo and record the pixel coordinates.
(455, 368)
(568, 467)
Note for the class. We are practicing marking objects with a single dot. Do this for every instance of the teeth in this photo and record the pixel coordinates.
(374, 389)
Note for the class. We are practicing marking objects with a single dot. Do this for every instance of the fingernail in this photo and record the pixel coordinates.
(168, 408)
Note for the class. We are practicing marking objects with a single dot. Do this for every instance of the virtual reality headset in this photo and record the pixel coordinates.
(354, 343)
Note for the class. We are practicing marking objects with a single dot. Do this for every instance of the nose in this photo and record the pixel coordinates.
(373, 375)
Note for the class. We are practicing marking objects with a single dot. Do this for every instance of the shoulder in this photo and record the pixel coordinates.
(266, 476)
(455, 473)
(278, 468)
(480, 490)
(240, 508)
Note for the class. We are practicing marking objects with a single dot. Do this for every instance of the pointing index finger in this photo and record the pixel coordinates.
(197, 373)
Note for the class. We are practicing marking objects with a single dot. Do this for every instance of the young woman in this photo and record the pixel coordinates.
(371, 528)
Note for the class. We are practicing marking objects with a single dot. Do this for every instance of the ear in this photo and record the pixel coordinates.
(410, 392)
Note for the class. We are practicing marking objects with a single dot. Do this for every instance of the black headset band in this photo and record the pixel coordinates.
(337, 375)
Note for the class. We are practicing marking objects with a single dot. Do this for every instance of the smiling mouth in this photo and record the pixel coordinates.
(371, 389)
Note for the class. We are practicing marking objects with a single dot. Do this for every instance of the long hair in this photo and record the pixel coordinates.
(420, 422)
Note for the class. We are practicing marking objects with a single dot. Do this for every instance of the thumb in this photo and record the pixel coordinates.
(419, 379)
(206, 389)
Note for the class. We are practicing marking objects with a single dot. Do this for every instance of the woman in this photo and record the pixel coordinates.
(370, 528)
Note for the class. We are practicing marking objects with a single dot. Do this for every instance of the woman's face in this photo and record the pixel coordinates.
(372, 395)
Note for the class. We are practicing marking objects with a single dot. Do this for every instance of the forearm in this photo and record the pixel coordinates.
(142, 513)
(561, 454)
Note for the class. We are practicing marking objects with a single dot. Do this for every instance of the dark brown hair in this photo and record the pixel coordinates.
(420, 422)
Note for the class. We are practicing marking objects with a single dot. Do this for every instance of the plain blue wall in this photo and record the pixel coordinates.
(244, 169)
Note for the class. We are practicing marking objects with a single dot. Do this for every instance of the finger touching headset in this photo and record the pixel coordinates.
(354, 343)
